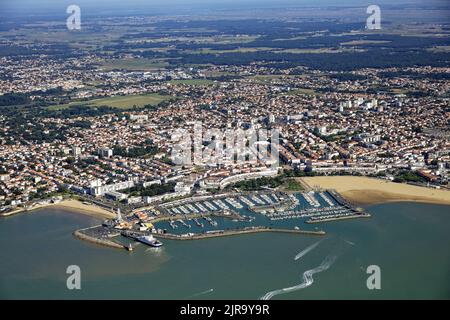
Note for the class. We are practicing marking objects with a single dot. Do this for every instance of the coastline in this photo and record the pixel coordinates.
(69, 204)
(367, 191)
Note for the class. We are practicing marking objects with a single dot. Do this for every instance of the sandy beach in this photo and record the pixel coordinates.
(363, 190)
(91, 210)
(73, 205)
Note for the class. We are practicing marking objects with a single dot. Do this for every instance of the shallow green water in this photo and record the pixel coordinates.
(410, 242)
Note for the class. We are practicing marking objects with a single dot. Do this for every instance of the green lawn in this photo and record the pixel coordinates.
(293, 185)
(119, 102)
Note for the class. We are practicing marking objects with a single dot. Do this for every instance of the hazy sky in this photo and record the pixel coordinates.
(52, 7)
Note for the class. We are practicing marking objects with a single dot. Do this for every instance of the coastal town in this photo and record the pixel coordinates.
(122, 157)
(226, 150)
(135, 131)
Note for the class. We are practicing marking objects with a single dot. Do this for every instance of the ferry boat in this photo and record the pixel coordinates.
(149, 240)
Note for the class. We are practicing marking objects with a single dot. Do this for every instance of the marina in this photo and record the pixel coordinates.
(201, 207)
(226, 214)
(172, 224)
(191, 207)
(235, 204)
(184, 223)
(266, 198)
(210, 206)
(327, 200)
(310, 197)
(199, 224)
(247, 201)
(221, 205)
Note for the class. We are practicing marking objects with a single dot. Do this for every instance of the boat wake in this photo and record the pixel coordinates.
(349, 242)
(311, 247)
(307, 279)
(201, 293)
(154, 251)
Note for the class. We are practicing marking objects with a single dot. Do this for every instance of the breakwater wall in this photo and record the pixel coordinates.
(104, 242)
(226, 233)
(356, 216)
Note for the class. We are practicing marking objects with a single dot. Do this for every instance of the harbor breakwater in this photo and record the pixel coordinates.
(224, 233)
(80, 234)
(104, 242)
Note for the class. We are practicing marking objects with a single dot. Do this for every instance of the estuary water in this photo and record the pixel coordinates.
(410, 243)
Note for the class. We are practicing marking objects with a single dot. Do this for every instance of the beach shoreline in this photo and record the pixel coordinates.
(368, 191)
(68, 204)
(357, 190)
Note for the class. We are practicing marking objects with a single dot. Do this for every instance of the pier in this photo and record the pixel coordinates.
(224, 233)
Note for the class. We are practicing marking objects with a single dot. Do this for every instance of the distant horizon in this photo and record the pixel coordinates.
(45, 8)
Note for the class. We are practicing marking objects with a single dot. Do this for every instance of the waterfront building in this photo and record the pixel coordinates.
(101, 190)
(116, 196)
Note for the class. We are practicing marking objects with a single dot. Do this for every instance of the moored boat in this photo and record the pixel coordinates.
(149, 240)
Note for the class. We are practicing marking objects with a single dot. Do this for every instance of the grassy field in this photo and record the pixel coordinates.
(218, 73)
(242, 50)
(119, 102)
(133, 64)
(362, 42)
(390, 89)
(265, 78)
(321, 50)
(270, 77)
(300, 91)
(193, 82)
